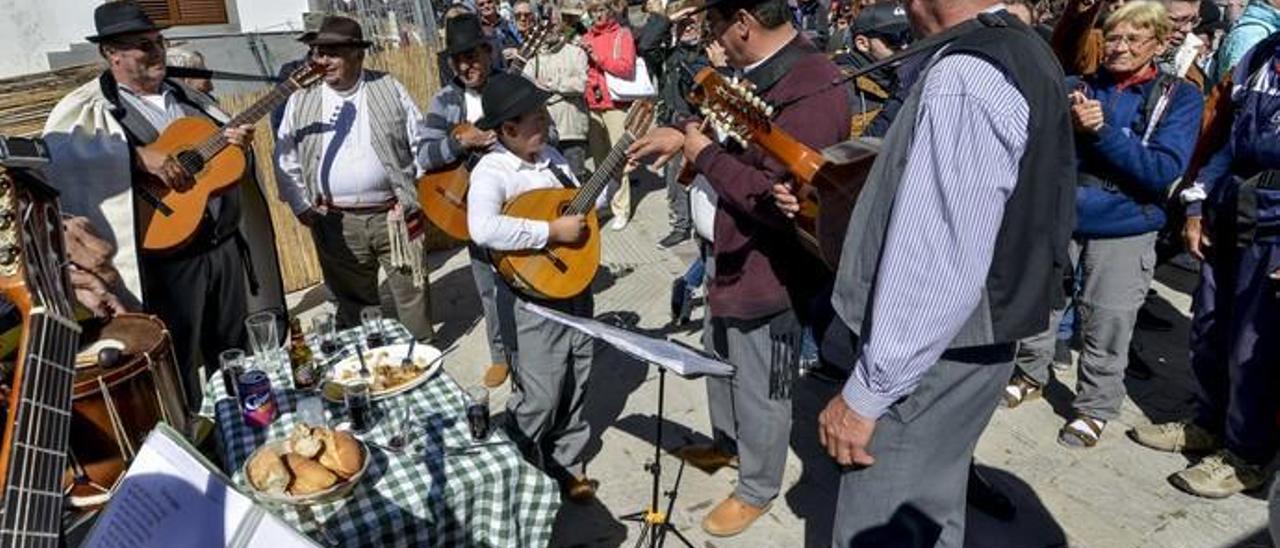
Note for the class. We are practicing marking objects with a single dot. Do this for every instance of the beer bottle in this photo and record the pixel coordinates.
(301, 361)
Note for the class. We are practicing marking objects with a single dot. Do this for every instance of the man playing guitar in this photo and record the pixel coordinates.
(97, 136)
(757, 269)
(470, 58)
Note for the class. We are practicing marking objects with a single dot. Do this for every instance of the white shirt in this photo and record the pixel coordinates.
(501, 176)
(350, 172)
(472, 105)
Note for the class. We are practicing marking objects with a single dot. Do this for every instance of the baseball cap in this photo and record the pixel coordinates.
(882, 19)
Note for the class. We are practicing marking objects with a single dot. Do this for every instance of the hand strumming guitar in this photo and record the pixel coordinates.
(165, 168)
(476, 139)
(569, 229)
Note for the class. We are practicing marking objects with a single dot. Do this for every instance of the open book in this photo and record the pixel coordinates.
(172, 497)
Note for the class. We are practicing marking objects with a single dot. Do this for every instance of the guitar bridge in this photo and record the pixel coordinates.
(556, 260)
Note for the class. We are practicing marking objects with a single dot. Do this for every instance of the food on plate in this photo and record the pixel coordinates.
(385, 371)
(309, 461)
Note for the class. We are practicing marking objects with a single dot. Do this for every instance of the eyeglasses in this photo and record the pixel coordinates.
(1129, 41)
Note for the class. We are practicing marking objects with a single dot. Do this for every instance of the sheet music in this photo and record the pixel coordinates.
(679, 359)
(170, 498)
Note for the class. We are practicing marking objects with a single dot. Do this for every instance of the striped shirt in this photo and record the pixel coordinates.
(448, 109)
(970, 134)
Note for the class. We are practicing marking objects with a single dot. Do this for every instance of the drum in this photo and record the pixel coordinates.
(115, 405)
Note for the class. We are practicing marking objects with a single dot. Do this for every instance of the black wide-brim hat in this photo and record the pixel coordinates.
(117, 18)
(336, 31)
(507, 96)
(463, 34)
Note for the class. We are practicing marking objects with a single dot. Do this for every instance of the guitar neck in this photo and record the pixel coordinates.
(802, 161)
(36, 446)
(585, 199)
(262, 107)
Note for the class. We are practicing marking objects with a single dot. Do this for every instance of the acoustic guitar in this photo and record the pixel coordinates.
(37, 417)
(826, 183)
(442, 192)
(169, 218)
(561, 271)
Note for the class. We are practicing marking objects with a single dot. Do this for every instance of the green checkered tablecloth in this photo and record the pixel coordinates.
(448, 494)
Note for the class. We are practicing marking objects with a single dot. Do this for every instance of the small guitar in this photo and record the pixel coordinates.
(442, 192)
(562, 271)
(169, 218)
(826, 183)
(37, 414)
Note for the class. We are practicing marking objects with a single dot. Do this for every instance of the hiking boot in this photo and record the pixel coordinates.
(674, 238)
(1175, 437)
(1219, 475)
(496, 375)
(730, 517)
(707, 457)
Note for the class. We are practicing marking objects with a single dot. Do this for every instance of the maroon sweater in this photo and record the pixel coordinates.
(760, 267)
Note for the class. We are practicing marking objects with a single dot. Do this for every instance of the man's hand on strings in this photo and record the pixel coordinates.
(165, 168)
(241, 136)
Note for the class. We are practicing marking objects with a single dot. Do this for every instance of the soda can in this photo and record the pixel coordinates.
(256, 398)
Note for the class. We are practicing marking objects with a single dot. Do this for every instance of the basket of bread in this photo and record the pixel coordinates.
(311, 466)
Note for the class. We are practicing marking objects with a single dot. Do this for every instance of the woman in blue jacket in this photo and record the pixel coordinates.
(1135, 130)
(1233, 227)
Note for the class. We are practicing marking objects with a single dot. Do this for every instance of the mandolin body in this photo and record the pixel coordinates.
(558, 271)
(161, 232)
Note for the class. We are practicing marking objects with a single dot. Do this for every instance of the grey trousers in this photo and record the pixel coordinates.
(497, 303)
(351, 247)
(914, 495)
(548, 386)
(677, 197)
(1115, 274)
(751, 410)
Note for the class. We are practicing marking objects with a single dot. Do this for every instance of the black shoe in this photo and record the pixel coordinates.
(681, 301)
(673, 238)
(987, 499)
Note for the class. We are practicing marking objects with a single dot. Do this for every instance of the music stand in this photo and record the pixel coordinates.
(683, 361)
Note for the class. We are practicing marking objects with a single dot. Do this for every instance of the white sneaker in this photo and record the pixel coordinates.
(618, 223)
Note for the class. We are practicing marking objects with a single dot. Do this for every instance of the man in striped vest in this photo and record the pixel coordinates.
(345, 165)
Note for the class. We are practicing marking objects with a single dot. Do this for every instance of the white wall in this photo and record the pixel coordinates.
(270, 15)
(31, 28)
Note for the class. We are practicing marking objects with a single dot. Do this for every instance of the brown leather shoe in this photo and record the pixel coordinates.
(730, 517)
(707, 457)
(579, 489)
(496, 375)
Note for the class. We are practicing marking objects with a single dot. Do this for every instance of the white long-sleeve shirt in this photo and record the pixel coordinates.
(501, 176)
(350, 172)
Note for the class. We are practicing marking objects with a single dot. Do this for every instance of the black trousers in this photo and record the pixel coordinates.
(201, 296)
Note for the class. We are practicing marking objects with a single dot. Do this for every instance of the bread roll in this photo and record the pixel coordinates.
(303, 441)
(341, 453)
(308, 475)
(268, 473)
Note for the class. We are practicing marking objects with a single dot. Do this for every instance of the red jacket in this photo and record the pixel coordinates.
(611, 49)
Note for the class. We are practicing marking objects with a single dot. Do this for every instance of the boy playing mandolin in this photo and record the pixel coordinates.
(548, 382)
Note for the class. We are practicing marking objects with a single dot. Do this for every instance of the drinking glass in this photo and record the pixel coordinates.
(359, 411)
(231, 364)
(478, 412)
(262, 336)
(310, 411)
(325, 331)
(371, 319)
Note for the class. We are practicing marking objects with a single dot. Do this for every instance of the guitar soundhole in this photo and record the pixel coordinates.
(191, 162)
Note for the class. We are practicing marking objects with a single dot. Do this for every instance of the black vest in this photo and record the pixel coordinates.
(1026, 276)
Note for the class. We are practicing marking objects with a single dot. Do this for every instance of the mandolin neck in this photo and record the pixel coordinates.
(262, 107)
(36, 445)
(585, 199)
(800, 160)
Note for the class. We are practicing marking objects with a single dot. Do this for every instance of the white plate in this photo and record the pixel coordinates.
(349, 368)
